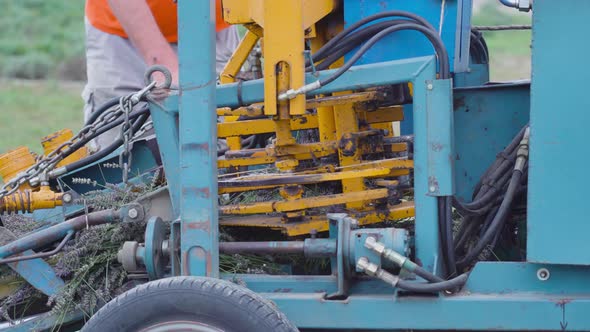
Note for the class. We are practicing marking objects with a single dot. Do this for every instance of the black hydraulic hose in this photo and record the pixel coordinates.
(507, 151)
(430, 34)
(495, 192)
(96, 113)
(450, 284)
(442, 222)
(464, 233)
(109, 149)
(497, 223)
(488, 221)
(394, 13)
(76, 146)
(448, 233)
(421, 272)
(352, 41)
(133, 115)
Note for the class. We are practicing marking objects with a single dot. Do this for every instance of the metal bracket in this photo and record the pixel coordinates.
(340, 225)
(439, 113)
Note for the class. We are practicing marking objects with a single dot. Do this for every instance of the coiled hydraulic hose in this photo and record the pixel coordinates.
(327, 48)
(496, 219)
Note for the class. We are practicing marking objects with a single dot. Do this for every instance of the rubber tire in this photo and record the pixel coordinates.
(214, 302)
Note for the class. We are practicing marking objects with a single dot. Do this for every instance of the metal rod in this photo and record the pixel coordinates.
(42, 254)
(52, 234)
(271, 247)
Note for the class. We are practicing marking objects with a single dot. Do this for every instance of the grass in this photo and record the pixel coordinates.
(30, 111)
(40, 38)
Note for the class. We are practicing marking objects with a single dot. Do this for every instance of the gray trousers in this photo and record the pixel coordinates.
(115, 68)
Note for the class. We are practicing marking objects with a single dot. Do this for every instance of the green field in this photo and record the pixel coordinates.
(31, 110)
(44, 39)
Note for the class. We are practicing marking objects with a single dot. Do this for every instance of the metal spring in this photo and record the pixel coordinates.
(84, 181)
(111, 165)
(20, 201)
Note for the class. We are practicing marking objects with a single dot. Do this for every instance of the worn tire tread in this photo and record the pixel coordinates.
(241, 296)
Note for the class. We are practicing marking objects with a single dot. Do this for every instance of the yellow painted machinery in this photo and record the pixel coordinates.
(327, 153)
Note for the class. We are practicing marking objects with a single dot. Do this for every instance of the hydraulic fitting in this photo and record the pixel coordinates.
(522, 154)
(522, 5)
(391, 255)
(14, 162)
(27, 201)
(371, 269)
(54, 141)
(292, 93)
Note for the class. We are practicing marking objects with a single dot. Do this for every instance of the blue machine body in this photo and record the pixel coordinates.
(559, 134)
(501, 295)
(457, 134)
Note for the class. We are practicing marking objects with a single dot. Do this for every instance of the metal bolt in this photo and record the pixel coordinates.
(543, 274)
(313, 233)
(430, 86)
(67, 198)
(133, 213)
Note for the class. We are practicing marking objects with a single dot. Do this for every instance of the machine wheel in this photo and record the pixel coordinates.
(189, 304)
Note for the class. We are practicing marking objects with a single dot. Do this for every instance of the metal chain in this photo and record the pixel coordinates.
(502, 27)
(125, 158)
(44, 165)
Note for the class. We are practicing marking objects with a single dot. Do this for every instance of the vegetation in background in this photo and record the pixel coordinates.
(42, 38)
(510, 51)
(45, 38)
(30, 111)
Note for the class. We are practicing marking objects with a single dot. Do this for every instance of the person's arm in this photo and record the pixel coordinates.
(136, 18)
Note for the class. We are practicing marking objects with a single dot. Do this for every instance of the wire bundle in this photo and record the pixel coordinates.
(503, 183)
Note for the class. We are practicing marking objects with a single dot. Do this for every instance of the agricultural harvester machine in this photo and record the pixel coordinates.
(294, 200)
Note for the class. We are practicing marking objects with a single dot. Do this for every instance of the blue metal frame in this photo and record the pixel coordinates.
(199, 247)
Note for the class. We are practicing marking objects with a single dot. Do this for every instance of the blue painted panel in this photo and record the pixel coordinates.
(456, 27)
(558, 226)
(427, 234)
(486, 120)
(508, 312)
(440, 137)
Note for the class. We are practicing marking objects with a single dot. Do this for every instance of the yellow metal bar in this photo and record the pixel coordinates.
(326, 126)
(318, 223)
(347, 122)
(252, 110)
(14, 162)
(385, 115)
(231, 70)
(312, 178)
(284, 51)
(261, 126)
(238, 58)
(304, 203)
